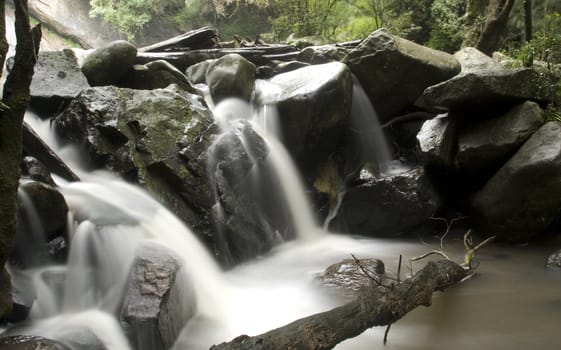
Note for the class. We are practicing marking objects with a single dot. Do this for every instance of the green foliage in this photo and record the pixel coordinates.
(447, 27)
(130, 16)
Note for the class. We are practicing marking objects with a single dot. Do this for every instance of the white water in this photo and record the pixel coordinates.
(512, 304)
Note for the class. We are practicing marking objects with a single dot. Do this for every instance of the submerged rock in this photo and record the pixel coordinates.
(554, 261)
(57, 79)
(351, 276)
(24, 342)
(524, 196)
(158, 301)
(386, 204)
(486, 145)
(394, 72)
(106, 65)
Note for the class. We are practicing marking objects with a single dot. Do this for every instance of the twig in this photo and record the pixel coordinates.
(432, 252)
(367, 273)
(386, 333)
(448, 227)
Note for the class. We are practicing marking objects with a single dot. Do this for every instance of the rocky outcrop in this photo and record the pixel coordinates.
(394, 72)
(107, 65)
(486, 145)
(484, 84)
(386, 204)
(313, 106)
(158, 301)
(524, 196)
(57, 79)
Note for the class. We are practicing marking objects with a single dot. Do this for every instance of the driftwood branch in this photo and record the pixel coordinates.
(376, 306)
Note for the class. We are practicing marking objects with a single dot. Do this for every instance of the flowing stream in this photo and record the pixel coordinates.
(512, 303)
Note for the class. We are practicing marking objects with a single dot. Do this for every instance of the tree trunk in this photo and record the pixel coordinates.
(12, 110)
(475, 11)
(376, 306)
(528, 19)
(495, 25)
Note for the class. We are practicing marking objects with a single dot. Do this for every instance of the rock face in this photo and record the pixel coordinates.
(387, 205)
(484, 84)
(107, 65)
(524, 196)
(394, 72)
(313, 106)
(56, 80)
(349, 275)
(437, 140)
(488, 144)
(157, 302)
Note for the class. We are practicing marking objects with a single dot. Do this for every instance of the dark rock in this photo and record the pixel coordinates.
(158, 302)
(230, 76)
(484, 84)
(313, 105)
(384, 205)
(50, 206)
(35, 170)
(524, 196)
(155, 75)
(107, 65)
(196, 73)
(351, 276)
(323, 54)
(57, 79)
(488, 144)
(554, 261)
(29, 342)
(394, 72)
(437, 140)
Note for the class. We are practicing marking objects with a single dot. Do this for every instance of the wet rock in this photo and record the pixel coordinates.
(230, 76)
(323, 54)
(284, 67)
(486, 145)
(50, 206)
(196, 73)
(155, 75)
(484, 84)
(394, 72)
(524, 196)
(158, 300)
(106, 65)
(57, 79)
(25, 342)
(351, 276)
(157, 138)
(384, 205)
(554, 261)
(313, 105)
(437, 140)
(35, 170)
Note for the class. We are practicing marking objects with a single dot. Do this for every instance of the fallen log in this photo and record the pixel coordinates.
(376, 306)
(202, 38)
(34, 146)
(258, 55)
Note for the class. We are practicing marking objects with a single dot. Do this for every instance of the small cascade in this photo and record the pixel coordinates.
(279, 178)
(30, 244)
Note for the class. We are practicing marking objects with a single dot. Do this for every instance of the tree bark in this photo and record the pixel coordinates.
(475, 10)
(14, 103)
(528, 19)
(377, 306)
(498, 12)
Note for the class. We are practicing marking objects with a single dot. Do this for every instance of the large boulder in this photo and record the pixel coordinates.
(313, 106)
(107, 65)
(394, 72)
(486, 145)
(484, 84)
(323, 54)
(386, 204)
(154, 75)
(230, 76)
(524, 196)
(57, 79)
(158, 300)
